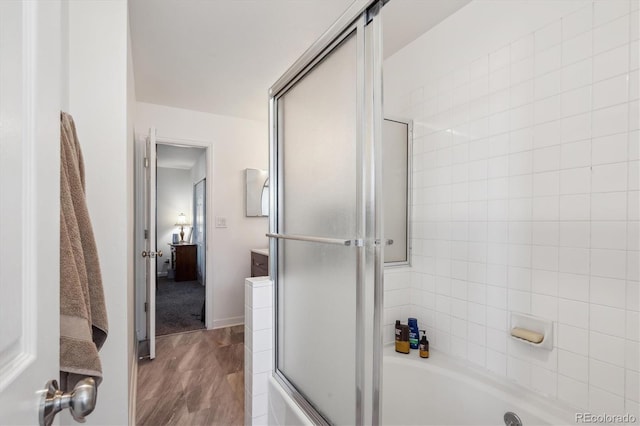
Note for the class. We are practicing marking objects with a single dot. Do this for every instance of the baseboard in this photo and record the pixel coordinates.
(162, 274)
(227, 322)
(133, 388)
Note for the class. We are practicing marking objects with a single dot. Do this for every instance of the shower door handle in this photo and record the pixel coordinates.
(338, 241)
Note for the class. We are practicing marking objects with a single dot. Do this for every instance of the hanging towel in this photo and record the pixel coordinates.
(83, 315)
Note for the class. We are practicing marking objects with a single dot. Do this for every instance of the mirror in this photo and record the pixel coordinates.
(257, 192)
(396, 174)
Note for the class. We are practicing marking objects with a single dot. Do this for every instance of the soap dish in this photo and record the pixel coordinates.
(531, 330)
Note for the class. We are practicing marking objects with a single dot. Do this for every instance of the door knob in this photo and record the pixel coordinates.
(152, 254)
(80, 401)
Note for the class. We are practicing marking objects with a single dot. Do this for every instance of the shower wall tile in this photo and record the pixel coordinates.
(572, 391)
(609, 206)
(258, 347)
(632, 355)
(601, 401)
(526, 198)
(632, 388)
(573, 365)
(401, 287)
(577, 23)
(609, 10)
(610, 35)
(612, 351)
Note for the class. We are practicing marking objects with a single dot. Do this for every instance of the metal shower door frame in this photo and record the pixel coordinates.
(362, 18)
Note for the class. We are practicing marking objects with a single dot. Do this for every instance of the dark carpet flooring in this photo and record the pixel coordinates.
(178, 306)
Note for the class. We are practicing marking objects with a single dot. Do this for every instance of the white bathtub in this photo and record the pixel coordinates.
(439, 391)
(443, 391)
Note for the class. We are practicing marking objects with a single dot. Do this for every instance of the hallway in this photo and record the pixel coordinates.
(197, 378)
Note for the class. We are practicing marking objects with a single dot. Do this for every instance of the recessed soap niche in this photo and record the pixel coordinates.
(534, 324)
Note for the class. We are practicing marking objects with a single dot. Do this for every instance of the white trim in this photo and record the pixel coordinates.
(209, 272)
(133, 386)
(228, 322)
(151, 207)
(139, 241)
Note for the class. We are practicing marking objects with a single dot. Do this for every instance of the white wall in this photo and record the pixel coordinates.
(174, 196)
(98, 95)
(526, 191)
(237, 144)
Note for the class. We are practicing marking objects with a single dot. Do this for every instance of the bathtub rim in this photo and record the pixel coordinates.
(547, 408)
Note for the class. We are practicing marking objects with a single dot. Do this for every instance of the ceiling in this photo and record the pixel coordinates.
(221, 56)
(177, 157)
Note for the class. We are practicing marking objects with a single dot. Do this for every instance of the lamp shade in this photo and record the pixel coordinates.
(182, 220)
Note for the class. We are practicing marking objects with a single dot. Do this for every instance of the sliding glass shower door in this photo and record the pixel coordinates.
(317, 280)
(323, 226)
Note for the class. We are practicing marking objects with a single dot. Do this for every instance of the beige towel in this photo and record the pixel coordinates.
(83, 315)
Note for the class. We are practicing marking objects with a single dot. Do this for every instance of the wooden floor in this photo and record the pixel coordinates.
(197, 378)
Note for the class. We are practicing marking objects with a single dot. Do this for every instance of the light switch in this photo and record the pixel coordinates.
(221, 222)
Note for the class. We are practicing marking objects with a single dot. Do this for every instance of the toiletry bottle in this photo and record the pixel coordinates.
(424, 345)
(413, 333)
(402, 338)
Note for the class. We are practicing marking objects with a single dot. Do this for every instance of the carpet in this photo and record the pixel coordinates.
(178, 306)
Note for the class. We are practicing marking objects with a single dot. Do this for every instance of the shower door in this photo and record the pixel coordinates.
(326, 263)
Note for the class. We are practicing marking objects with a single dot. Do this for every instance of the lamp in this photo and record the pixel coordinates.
(182, 221)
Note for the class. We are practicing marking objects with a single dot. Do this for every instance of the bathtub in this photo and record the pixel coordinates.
(442, 391)
(439, 391)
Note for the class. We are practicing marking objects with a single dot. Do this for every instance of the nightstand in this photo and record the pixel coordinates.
(184, 261)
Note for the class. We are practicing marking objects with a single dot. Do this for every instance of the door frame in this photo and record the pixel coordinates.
(140, 322)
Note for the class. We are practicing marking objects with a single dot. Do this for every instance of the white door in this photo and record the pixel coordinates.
(151, 250)
(30, 43)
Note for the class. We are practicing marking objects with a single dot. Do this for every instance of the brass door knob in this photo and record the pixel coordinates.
(151, 254)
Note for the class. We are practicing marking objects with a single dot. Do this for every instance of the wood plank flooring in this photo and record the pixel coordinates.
(197, 378)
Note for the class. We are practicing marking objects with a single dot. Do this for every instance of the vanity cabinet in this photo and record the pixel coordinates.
(259, 263)
(184, 261)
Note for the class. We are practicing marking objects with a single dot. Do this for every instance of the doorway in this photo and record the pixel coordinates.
(180, 211)
(172, 291)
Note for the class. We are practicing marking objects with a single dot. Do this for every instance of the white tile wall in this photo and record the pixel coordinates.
(526, 199)
(258, 344)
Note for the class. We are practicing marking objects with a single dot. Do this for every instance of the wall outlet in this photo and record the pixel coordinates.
(221, 222)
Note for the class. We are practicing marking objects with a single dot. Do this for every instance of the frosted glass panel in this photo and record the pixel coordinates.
(317, 281)
(319, 131)
(317, 325)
